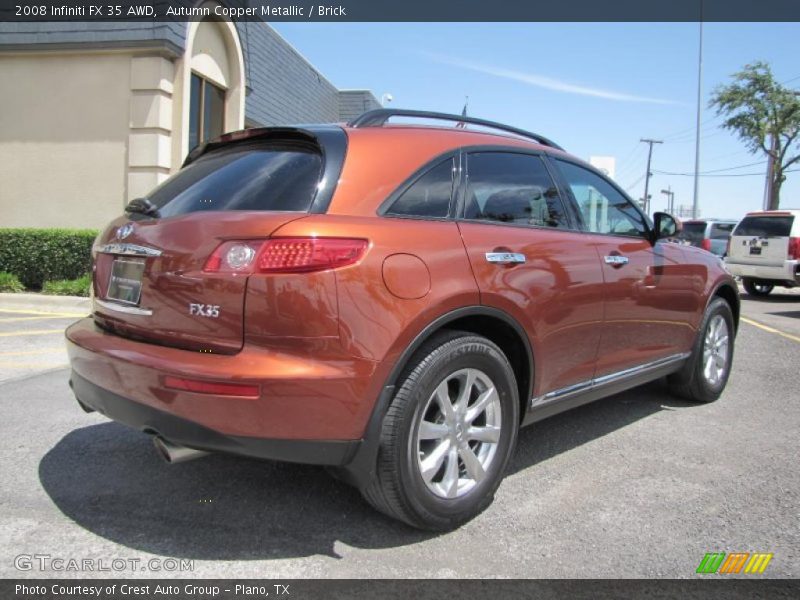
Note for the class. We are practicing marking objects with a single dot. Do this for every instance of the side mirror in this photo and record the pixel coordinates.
(665, 226)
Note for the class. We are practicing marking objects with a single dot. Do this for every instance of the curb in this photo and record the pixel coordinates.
(44, 303)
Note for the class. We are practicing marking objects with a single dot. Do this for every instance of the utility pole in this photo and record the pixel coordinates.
(670, 198)
(648, 173)
(696, 197)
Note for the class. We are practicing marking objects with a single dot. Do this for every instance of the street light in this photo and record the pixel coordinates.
(386, 98)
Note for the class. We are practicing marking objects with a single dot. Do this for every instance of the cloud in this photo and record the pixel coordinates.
(541, 81)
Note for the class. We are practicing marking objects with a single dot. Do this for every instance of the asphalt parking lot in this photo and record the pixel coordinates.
(637, 485)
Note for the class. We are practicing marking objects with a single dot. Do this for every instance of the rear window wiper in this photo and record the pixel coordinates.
(143, 206)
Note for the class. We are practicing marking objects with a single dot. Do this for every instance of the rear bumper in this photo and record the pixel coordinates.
(193, 435)
(309, 394)
(786, 272)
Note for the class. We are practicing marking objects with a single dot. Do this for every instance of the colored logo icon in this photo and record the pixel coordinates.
(736, 562)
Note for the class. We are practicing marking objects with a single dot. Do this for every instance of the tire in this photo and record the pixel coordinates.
(755, 288)
(698, 381)
(448, 494)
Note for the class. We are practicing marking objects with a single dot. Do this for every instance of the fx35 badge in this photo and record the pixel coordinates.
(204, 310)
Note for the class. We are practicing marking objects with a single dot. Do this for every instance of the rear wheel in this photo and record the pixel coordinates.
(755, 287)
(706, 372)
(448, 434)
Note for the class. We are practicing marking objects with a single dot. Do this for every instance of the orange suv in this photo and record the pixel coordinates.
(393, 301)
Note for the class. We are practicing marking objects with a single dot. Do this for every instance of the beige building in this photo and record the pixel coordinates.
(90, 119)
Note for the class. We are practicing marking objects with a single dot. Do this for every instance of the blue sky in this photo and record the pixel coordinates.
(595, 88)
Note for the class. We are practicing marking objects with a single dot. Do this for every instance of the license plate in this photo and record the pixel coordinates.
(125, 284)
(755, 250)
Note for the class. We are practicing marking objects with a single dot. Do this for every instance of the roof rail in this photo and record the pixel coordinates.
(378, 117)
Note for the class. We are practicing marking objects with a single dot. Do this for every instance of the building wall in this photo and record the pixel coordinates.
(352, 103)
(93, 115)
(284, 86)
(63, 139)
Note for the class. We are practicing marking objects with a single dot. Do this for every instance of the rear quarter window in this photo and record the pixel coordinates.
(268, 177)
(428, 196)
(778, 226)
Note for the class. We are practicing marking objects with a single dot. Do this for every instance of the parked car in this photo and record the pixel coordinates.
(709, 234)
(764, 251)
(392, 301)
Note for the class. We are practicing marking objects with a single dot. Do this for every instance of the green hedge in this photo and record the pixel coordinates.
(39, 255)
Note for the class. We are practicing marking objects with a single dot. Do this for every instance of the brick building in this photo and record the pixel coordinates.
(95, 114)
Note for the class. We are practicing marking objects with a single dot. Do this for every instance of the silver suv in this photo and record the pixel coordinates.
(708, 234)
(764, 250)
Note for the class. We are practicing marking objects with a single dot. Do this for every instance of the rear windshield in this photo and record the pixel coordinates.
(765, 226)
(693, 232)
(270, 177)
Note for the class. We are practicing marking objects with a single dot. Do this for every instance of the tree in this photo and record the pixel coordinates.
(766, 117)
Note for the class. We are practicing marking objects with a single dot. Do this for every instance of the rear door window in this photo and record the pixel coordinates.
(268, 177)
(512, 188)
(777, 226)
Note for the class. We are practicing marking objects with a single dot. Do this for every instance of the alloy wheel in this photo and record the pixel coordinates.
(715, 350)
(458, 432)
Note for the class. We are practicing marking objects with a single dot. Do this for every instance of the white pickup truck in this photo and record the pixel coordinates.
(764, 250)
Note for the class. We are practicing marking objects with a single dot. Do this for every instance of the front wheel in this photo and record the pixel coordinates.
(448, 434)
(706, 372)
(754, 287)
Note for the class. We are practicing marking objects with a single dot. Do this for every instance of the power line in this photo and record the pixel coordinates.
(719, 174)
(631, 167)
(634, 184)
(753, 164)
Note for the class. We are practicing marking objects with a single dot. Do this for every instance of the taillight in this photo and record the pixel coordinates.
(706, 244)
(285, 255)
(233, 257)
(282, 255)
(794, 248)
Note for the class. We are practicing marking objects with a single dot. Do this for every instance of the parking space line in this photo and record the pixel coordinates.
(30, 365)
(42, 312)
(17, 319)
(770, 329)
(33, 352)
(31, 332)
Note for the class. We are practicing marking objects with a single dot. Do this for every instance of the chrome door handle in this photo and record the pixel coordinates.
(505, 258)
(615, 260)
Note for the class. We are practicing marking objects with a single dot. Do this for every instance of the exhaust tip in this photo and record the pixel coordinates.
(173, 453)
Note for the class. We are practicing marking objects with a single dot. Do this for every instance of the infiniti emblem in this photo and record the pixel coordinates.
(124, 231)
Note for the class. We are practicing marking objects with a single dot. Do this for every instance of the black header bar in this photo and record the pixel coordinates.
(404, 10)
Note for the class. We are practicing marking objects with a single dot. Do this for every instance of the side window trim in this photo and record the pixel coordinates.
(386, 205)
(464, 181)
(584, 228)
